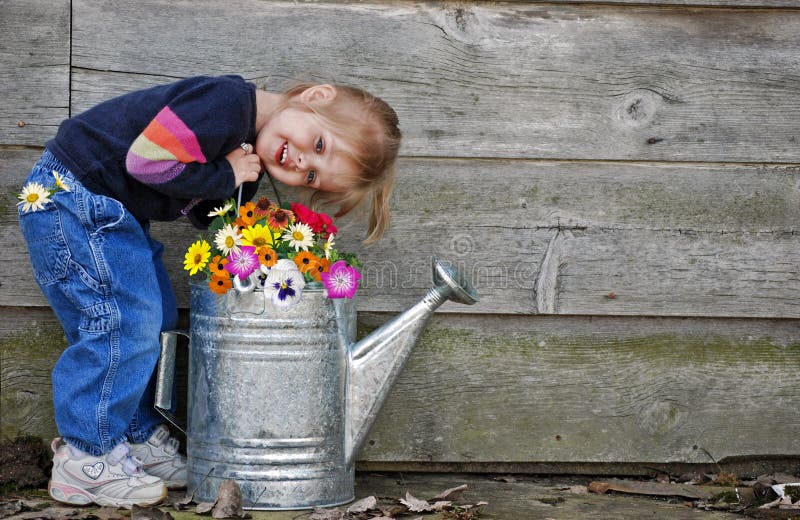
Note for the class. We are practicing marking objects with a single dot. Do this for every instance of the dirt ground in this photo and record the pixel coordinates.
(24, 469)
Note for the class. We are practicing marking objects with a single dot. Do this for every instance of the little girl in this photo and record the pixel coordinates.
(157, 154)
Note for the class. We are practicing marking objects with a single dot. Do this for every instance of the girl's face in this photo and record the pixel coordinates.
(297, 149)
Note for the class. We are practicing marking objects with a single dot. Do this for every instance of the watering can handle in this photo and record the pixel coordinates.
(166, 376)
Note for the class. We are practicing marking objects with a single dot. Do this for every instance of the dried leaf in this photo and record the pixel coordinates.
(149, 513)
(451, 494)
(363, 505)
(229, 501)
(204, 507)
(441, 504)
(649, 488)
(416, 505)
(326, 514)
(394, 510)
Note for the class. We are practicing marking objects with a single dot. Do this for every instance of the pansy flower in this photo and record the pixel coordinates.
(242, 262)
(284, 284)
(341, 280)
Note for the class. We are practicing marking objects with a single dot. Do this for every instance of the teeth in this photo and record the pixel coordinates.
(285, 151)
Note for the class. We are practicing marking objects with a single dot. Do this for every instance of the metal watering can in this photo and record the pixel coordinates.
(280, 400)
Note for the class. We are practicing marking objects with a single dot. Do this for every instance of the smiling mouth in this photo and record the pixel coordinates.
(282, 153)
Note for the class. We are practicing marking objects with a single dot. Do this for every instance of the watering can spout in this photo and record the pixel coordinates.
(377, 360)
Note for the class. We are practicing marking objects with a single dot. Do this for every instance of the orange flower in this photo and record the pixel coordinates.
(267, 256)
(262, 207)
(279, 218)
(304, 260)
(217, 267)
(316, 268)
(219, 284)
(247, 215)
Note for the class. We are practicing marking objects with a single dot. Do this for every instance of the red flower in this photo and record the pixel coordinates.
(319, 223)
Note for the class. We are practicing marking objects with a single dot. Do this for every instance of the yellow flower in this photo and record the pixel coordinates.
(60, 181)
(197, 256)
(33, 197)
(259, 236)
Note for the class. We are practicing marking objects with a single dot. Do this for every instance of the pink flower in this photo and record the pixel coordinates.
(243, 262)
(341, 280)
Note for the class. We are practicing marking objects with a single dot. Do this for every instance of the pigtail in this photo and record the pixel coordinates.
(379, 215)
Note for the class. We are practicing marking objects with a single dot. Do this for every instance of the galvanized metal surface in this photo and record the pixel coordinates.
(280, 400)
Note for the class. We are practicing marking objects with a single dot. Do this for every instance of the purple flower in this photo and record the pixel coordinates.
(341, 280)
(243, 262)
(284, 284)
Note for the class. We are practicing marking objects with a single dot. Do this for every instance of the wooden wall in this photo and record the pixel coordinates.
(620, 179)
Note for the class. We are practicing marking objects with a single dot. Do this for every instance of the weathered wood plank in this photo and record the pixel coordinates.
(691, 240)
(34, 69)
(544, 389)
(489, 80)
(593, 389)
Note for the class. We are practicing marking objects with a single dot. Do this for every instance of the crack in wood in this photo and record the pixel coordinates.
(546, 287)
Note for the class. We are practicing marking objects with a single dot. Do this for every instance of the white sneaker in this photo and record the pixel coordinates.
(114, 479)
(160, 457)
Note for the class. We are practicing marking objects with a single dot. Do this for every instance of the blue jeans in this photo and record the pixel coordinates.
(105, 280)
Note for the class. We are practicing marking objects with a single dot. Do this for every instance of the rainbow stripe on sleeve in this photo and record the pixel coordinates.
(163, 149)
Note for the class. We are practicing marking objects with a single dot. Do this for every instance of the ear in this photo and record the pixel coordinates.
(317, 93)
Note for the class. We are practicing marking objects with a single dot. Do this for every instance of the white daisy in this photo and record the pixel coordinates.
(328, 246)
(60, 181)
(228, 239)
(220, 212)
(300, 236)
(33, 197)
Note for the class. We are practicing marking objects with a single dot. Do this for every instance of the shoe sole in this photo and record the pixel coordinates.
(67, 494)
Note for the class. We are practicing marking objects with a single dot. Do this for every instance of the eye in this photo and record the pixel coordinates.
(311, 176)
(319, 145)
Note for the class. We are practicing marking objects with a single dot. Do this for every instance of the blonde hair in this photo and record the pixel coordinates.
(373, 133)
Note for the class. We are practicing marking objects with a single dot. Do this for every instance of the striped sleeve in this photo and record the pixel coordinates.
(162, 151)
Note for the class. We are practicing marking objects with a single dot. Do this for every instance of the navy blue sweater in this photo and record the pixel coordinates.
(161, 151)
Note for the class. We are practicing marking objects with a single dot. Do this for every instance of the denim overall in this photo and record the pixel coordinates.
(105, 280)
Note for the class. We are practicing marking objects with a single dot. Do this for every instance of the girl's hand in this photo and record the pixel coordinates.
(246, 165)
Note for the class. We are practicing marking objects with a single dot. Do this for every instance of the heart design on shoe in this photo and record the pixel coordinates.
(93, 471)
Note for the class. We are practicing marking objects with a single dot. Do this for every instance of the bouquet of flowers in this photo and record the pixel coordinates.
(278, 249)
